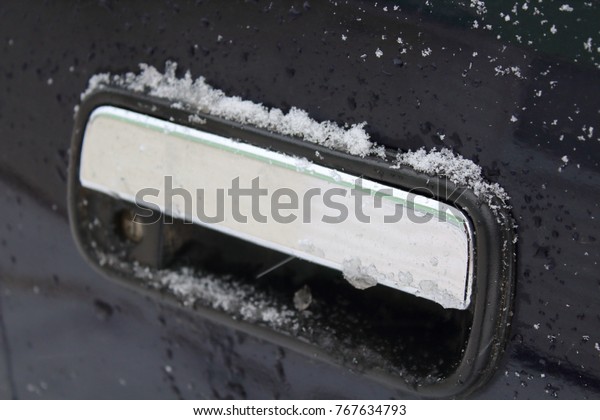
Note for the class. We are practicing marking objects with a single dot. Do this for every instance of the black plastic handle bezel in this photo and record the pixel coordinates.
(494, 248)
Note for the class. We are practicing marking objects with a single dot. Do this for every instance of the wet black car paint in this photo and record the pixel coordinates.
(68, 332)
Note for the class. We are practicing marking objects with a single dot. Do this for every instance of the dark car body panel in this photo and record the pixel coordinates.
(68, 332)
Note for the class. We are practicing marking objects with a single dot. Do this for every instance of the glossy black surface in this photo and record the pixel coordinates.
(68, 332)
